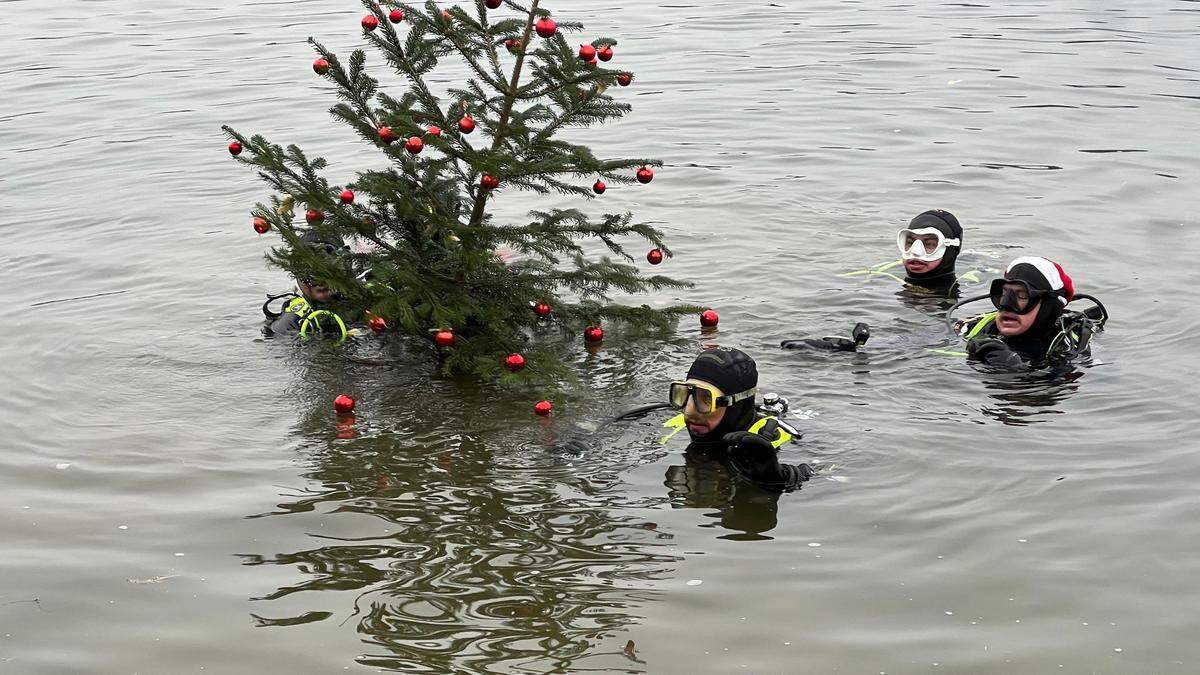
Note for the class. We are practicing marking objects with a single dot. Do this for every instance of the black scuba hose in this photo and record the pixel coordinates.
(634, 413)
(960, 303)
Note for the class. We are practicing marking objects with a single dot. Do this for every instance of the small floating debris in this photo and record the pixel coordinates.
(62, 466)
(122, 527)
(152, 580)
(814, 544)
(695, 582)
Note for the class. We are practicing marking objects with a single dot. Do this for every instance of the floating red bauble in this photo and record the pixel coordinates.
(415, 145)
(320, 66)
(709, 318)
(624, 79)
(655, 256)
(645, 174)
(347, 196)
(314, 217)
(514, 362)
(261, 226)
(434, 130)
(599, 187)
(444, 338)
(605, 53)
(489, 182)
(378, 324)
(593, 334)
(543, 408)
(466, 124)
(587, 53)
(546, 27)
(387, 135)
(369, 22)
(343, 404)
(396, 16)
(493, 4)
(541, 309)
(235, 148)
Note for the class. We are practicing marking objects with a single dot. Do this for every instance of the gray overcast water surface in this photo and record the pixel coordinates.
(176, 497)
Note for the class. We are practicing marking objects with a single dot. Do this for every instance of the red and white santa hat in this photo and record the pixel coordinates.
(1042, 274)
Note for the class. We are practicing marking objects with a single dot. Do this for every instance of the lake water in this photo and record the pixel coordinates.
(176, 496)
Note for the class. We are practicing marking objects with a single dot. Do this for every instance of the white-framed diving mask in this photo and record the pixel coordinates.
(926, 244)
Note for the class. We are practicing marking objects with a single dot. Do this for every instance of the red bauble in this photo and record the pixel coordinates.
(387, 135)
(235, 148)
(709, 318)
(369, 22)
(446, 15)
(543, 408)
(314, 217)
(546, 27)
(624, 79)
(587, 53)
(599, 187)
(645, 175)
(415, 145)
(605, 53)
(378, 324)
(593, 334)
(514, 362)
(347, 196)
(592, 63)
(513, 45)
(434, 130)
(444, 338)
(541, 309)
(343, 404)
(493, 4)
(489, 182)
(396, 16)
(320, 66)
(261, 226)
(466, 124)
(655, 256)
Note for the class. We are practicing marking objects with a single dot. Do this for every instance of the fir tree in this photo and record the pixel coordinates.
(430, 259)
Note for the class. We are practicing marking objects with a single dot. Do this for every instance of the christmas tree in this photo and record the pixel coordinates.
(427, 265)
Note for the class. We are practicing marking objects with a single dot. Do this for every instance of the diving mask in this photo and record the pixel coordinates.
(706, 397)
(1014, 296)
(926, 244)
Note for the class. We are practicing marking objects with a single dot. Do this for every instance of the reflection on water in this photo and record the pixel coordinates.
(701, 482)
(1028, 398)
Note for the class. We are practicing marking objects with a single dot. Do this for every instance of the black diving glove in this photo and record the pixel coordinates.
(858, 337)
(994, 352)
(755, 458)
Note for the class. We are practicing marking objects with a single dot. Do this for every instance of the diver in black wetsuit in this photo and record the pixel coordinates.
(929, 247)
(1032, 326)
(310, 310)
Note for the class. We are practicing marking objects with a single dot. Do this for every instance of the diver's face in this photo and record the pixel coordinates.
(700, 423)
(1011, 323)
(319, 294)
(921, 266)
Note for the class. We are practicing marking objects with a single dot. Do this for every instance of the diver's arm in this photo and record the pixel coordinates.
(995, 352)
(859, 336)
(287, 323)
(754, 458)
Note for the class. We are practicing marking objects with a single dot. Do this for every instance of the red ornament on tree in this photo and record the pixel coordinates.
(593, 334)
(320, 66)
(546, 27)
(343, 404)
(444, 338)
(655, 256)
(709, 318)
(493, 4)
(396, 16)
(261, 226)
(513, 45)
(541, 309)
(645, 174)
(347, 196)
(605, 53)
(415, 145)
(543, 408)
(489, 182)
(387, 135)
(587, 53)
(514, 362)
(446, 15)
(434, 130)
(624, 79)
(369, 22)
(235, 148)
(378, 324)
(599, 187)
(314, 217)
(466, 124)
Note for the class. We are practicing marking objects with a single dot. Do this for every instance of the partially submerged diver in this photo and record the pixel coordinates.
(1031, 325)
(832, 343)
(310, 309)
(929, 249)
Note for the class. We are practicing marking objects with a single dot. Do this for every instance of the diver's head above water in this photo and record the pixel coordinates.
(929, 246)
(718, 395)
(330, 245)
(1031, 296)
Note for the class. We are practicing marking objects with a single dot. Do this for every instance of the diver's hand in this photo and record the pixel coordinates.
(753, 456)
(829, 344)
(994, 352)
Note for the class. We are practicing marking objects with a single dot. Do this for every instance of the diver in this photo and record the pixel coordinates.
(309, 310)
(1031, 326)
(832, 343)
(929, 248)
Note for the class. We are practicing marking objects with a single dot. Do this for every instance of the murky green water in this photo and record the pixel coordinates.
(177, 497)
